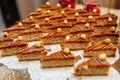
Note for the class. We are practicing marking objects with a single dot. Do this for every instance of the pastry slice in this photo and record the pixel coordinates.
(31, 35)
(104, 46)
(64, 25)
(35, 52)
(95, 66)
(13, 47)
(87, 30)
(78, 43)
(111, 27)
(103, 35)
(5, 40)
(13, 32)
(54, 38)
(61, 58)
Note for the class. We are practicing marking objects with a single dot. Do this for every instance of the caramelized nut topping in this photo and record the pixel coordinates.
(59, 30)
(20, 38)
(38, 45)
(110, 19)
(37, 26)
(90, 17)
(102, 56)
(85, 67)
(66, 50)
(58, 5)
(47, 3)
(5, 34)
(20, 24)
(112, 29)
(83, 36)
(76, 14)
(107, 40)
(65, 21)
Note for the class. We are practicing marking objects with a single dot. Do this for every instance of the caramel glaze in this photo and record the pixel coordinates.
(32, 50)
(27, 21)
(110, 15)
(14, 44)
(78, 40)
(101, 45)
(55, 34)
(94, 62)
(79, 22)
(82, 30)
(106, 25)
(105, 33)
(42, 24)
(81, 11)
(90, 14)
(43, 16)
(31, 31)
(54, 8)
(61, 25)
(14, 28)
(68, 19)
(35, 13)
(45, 6)
(57, 17)
(5, 39)
(60, 55)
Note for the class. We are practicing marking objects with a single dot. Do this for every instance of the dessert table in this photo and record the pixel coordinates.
(35, 70)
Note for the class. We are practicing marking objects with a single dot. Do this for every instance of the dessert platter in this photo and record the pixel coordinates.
(55, 43)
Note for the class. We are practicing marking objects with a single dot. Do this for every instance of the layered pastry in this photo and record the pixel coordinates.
(54, 38)
(13, 32)
(31, 35)
(78, 43)
(109, 17)
(103, 35)
(36, 52)
(87, 30)
(105, 27)
(95, 66)
(65, 26)
(13, 47)
(5, 40)
(63, 58)
(104, 46)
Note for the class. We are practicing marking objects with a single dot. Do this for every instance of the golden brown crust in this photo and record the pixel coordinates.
(60, 55)
(44, 16)
(31, 31)
(33, 50)
(90, 14)
(13, 29)
(60, 25)
(14, 44)
(27, 22)
(105, 33)
(82, 30)
(55, 34)
(35, 13)
(6, 39)
(101, 45)
(106, 24)
(79, 22)
(77, 40)
(57, 17)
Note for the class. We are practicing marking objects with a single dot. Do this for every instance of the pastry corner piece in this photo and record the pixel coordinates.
(63, 58)
(35, 52)
(104, 46)
(93, 67)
